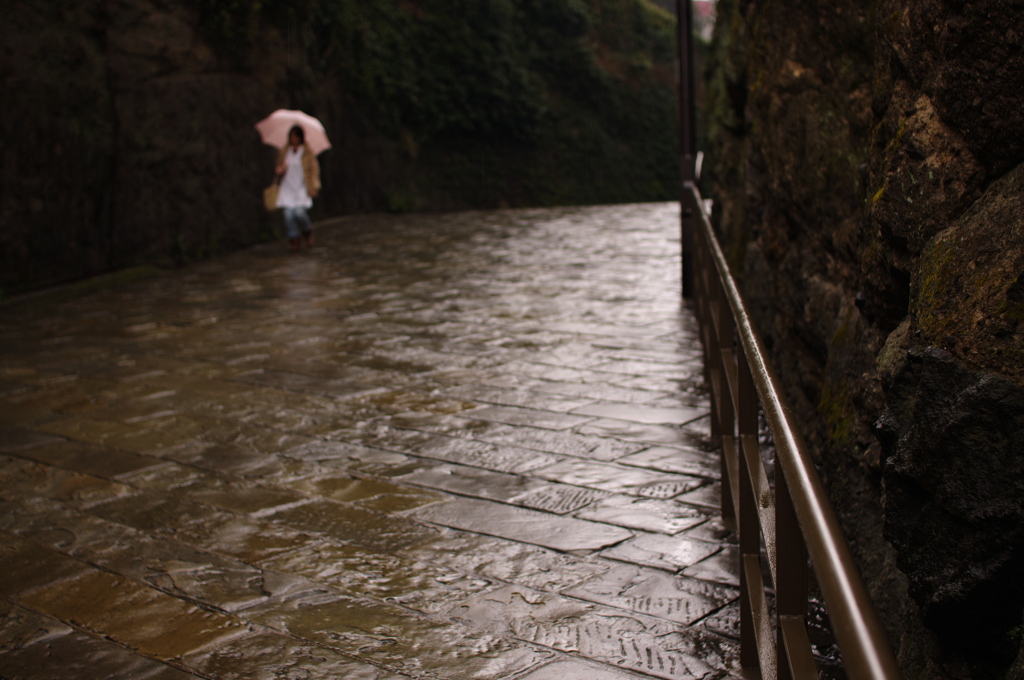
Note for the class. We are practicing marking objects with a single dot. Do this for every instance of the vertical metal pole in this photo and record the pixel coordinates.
(687, 136)
(791, 566)
(750, 547)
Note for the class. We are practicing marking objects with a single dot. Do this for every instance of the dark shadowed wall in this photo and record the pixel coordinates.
(867, 163)
(127, 131)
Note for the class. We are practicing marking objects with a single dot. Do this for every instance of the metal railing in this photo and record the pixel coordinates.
(796, 521)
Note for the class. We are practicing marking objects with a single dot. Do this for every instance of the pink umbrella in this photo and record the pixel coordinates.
(274, 129)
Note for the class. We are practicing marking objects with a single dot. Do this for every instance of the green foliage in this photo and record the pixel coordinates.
(445, 67)
(399, 202)
(231, 25)
(578, 81)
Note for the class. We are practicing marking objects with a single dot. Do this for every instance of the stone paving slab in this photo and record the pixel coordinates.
(645, 514)
(671, 553)
(80, 655)
(269, 655)
(638, 642)
(434, 446)
(655, 593)
(686, 461)
(574, 669)
(156, 624)
(615, 478)
(641, 413)
(521, 524)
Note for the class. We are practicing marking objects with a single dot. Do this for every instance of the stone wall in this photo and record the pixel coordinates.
(121, 140)
(866, 163)
(128, 138)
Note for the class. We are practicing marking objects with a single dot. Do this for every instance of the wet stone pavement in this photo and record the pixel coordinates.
(433, 446)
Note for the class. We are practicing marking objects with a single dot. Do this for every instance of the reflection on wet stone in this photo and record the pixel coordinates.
(642, 413)
(667, 517)
(268, 656)
(661, 551)
(479, 454)
(155, 623)
(79, 655)
(562, 443)
(247, 539)
(394, 638)
(558, 498)
(687, 461)
(655, 593)
(574, 669)
(346, 523)
(395, 579)
(709, 496)
(618, 479)
(505, 560)
(521, 524)
(467, 481)
(721, 567)
(28, 566)
(639, 642)
(521, 416)
(435, 446)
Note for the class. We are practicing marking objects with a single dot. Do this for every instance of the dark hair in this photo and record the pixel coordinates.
(297, 130)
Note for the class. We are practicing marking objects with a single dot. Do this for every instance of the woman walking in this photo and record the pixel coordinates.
(300, 183)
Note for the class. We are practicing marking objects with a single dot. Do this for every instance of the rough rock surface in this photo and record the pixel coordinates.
(866, 162)
(954, 486)
(122, 139)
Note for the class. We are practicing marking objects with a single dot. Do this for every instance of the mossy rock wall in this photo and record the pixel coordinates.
(866, 162)
(128, 126)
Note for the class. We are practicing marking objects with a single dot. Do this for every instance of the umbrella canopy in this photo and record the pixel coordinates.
(274, 129)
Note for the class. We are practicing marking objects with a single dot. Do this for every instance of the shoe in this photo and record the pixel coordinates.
(308, 236)
(293, 243)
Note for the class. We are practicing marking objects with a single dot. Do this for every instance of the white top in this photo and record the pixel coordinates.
(292, 193)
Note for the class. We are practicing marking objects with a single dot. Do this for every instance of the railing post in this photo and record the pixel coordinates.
(791, 581)
(689, 207)
(704, 283)
(797, 520)
(746, 416)
(726, 331)
(685, 91)
(713, 350)
(750, 551)
(749, 523)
